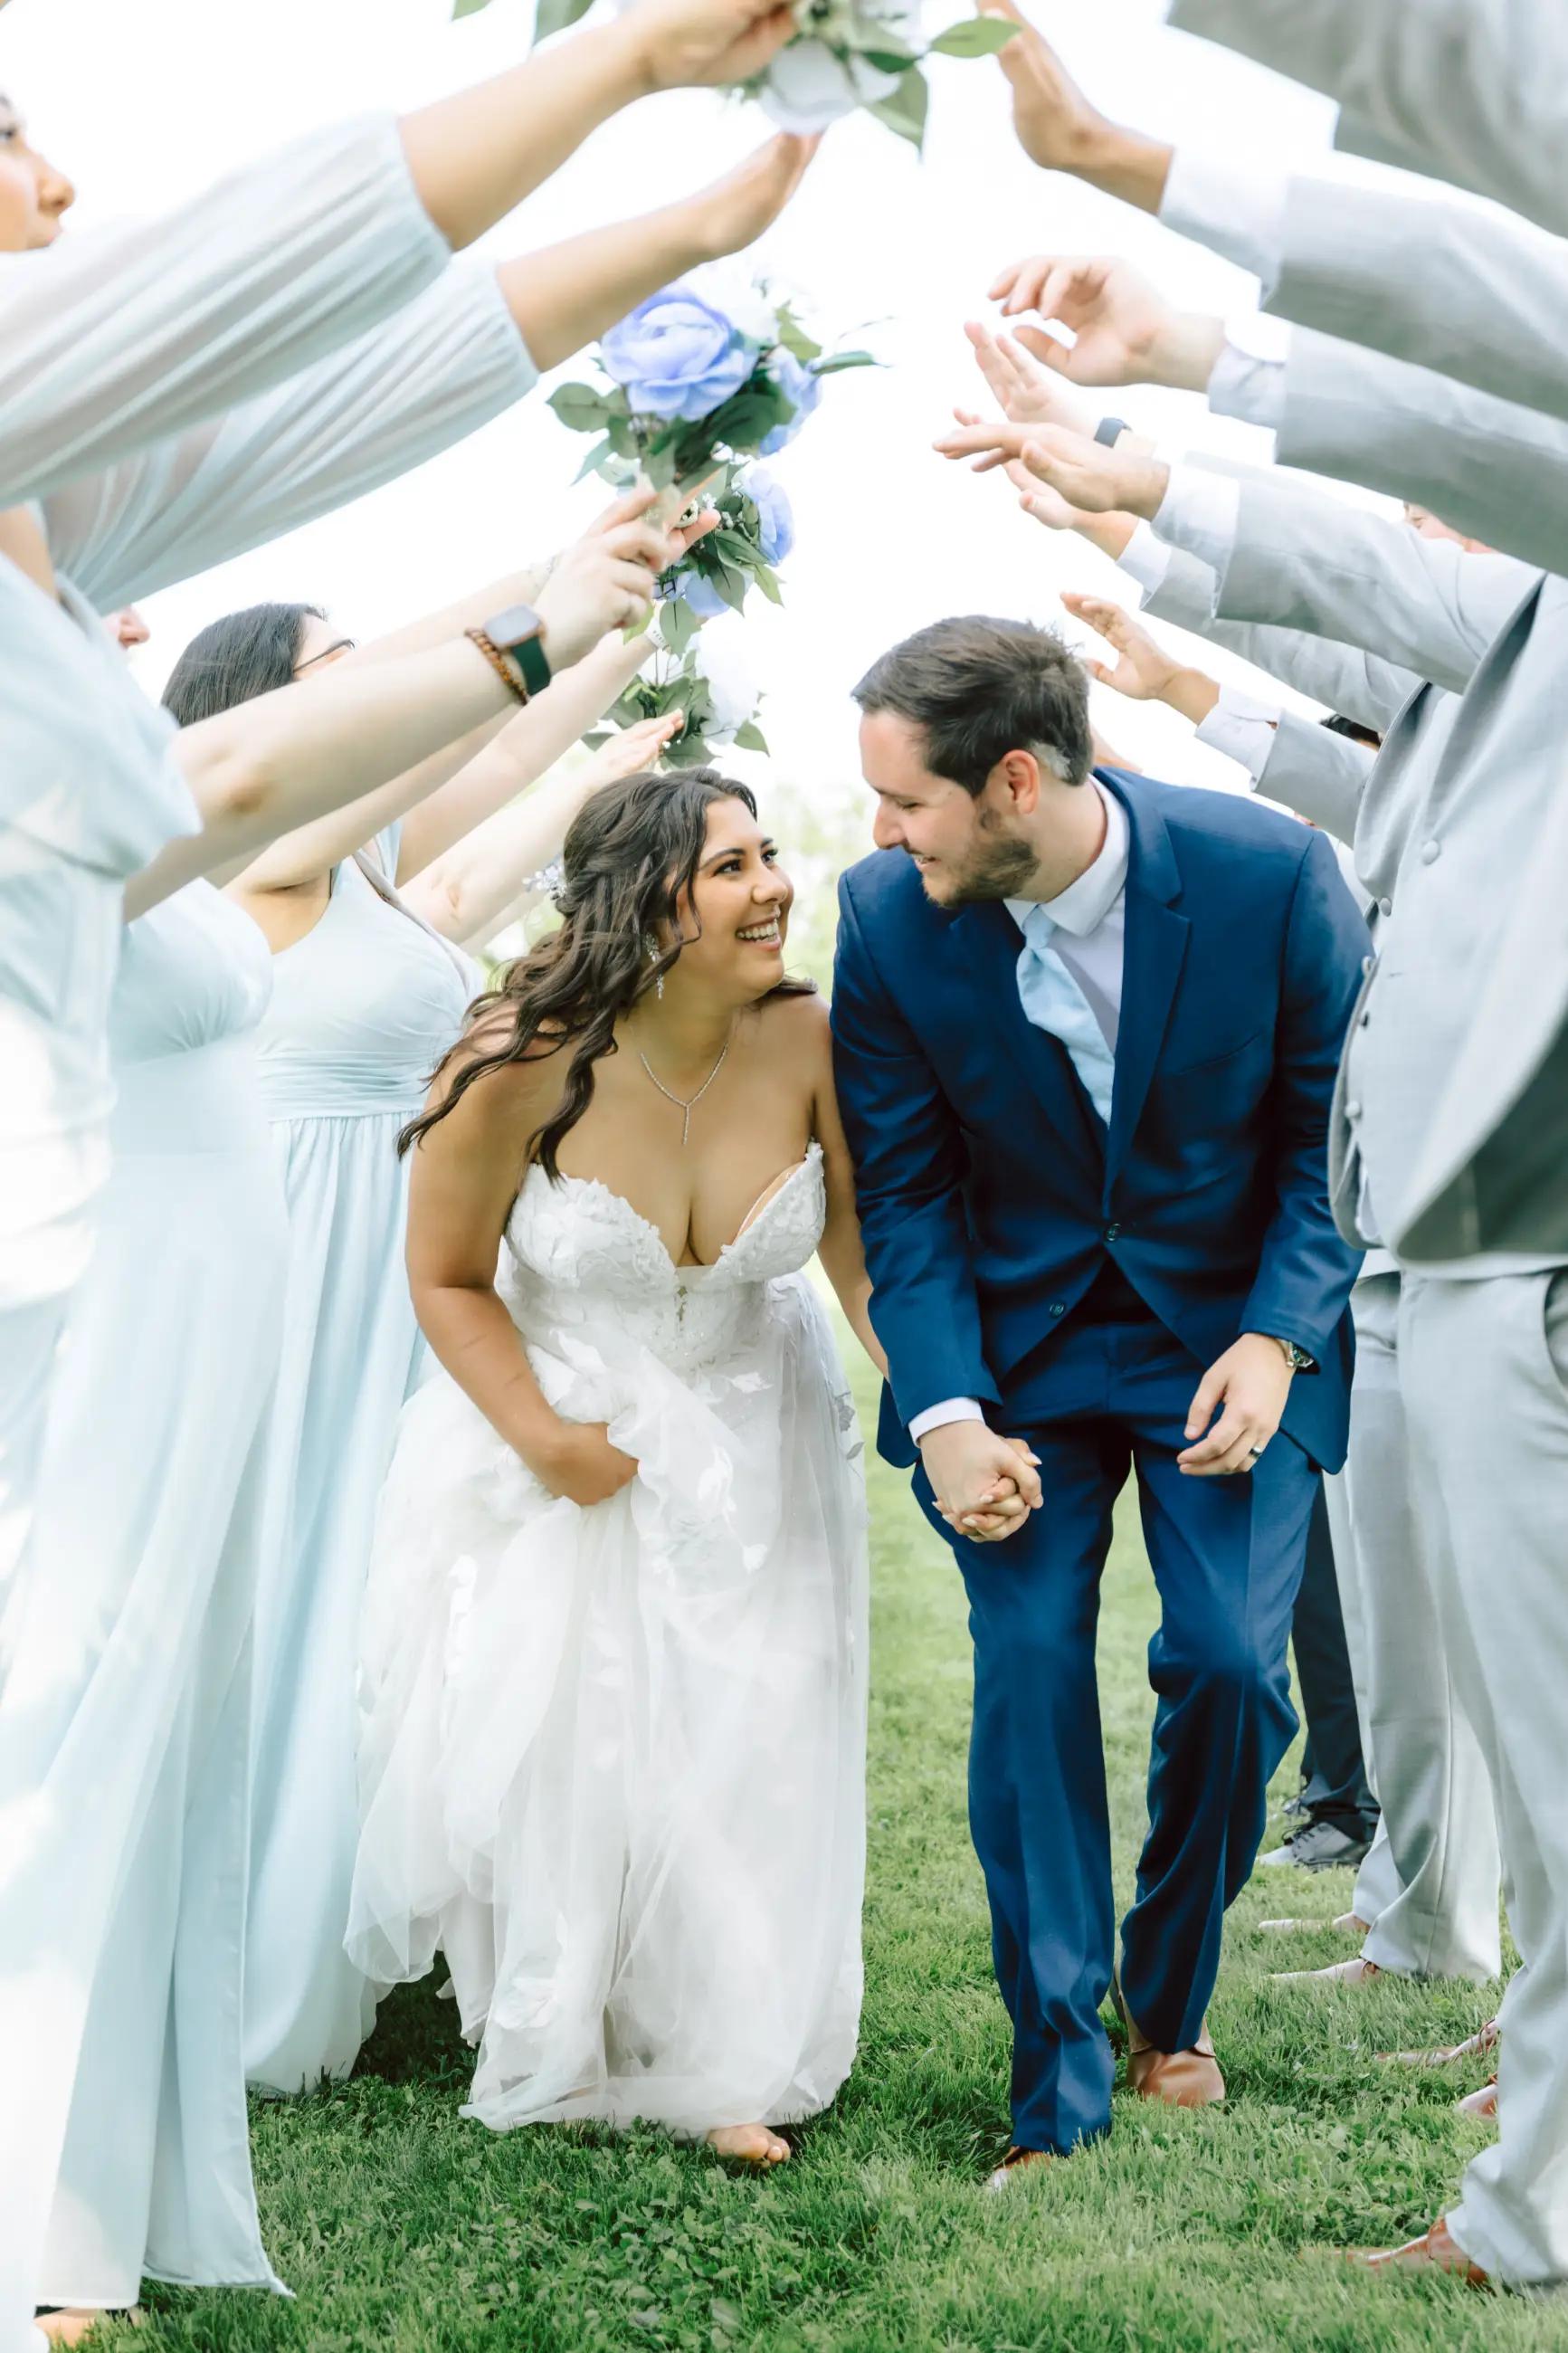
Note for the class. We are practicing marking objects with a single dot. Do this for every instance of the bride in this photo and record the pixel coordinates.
(613, 1658)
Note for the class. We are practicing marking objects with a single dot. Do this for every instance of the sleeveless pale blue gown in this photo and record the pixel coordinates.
(363, 1010)
(138, 1625)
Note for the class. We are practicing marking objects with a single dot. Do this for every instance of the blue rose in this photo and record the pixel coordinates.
(695, 589)
(776, 516)
(801, 388)
(678, 356)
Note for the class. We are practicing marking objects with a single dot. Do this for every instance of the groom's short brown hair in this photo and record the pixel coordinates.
(983, 687)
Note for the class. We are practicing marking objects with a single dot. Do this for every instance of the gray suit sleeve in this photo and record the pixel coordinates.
(1473, 91)
(444, 367)
(1489, 468)
(1359, 685)
(1318, 773)
(1307, 560)
(1469, 293)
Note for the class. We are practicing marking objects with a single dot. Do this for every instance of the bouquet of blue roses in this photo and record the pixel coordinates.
(709, 371)
(754, 533)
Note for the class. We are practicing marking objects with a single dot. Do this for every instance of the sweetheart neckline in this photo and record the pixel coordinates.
(813, 1159)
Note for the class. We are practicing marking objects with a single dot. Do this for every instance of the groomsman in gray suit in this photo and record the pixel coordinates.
(1451, 1132)
(1472, 91)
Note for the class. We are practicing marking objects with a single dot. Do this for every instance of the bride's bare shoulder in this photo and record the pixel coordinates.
(486, 1088)
(794, 1026)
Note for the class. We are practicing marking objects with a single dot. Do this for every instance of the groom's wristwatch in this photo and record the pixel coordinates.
(1297, 1358)
(513, 644)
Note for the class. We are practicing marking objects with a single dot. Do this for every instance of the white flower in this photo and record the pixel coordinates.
(718, 655)
(808, 85)
(732, 288)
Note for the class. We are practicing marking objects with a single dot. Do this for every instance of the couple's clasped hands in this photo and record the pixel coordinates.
(985, 1487)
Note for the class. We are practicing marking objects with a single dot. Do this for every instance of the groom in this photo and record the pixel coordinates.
(1086, 1028)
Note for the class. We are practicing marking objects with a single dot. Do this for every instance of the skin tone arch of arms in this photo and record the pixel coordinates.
(1029, 833)
(290, 758)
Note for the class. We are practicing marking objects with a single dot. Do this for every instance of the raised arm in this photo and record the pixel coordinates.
(115, 342)
(1472, 94)
(286, 759)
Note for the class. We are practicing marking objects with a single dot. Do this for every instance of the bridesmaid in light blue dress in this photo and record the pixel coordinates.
(363, 1006)
(139, 1631)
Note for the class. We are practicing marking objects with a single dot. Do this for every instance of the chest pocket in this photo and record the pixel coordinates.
(1221, 1090)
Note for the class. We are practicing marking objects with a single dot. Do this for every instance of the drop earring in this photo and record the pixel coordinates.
(652, 947)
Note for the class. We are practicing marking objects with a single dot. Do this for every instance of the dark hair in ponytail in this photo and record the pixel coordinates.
(632, 850)
(236, 658)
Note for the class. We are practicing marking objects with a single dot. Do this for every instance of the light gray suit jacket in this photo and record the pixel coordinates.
(1453, 1094)
(1473, 91)
(1357, 684)
(1489, 468)
(1471, 294)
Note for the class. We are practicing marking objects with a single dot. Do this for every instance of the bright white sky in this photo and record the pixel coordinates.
(146, 101)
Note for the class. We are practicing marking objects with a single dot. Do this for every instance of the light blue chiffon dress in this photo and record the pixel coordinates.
(138, 1635)
(363, 1010)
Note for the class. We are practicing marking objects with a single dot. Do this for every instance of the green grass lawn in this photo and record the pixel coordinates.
(399, 2226)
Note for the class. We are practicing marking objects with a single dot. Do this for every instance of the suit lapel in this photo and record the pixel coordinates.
(1155, 946)
(987, 944)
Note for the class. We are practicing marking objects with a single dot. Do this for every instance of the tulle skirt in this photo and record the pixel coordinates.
(612, 1759)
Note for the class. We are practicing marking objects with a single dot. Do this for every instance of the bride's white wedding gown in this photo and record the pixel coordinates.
(611, 1760)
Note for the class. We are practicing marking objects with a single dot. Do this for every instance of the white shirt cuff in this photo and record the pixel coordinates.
(937, 1417)
(1147, 560)
(1202, 512)
(1238, 213)
(1242, 729)
(1248, 378)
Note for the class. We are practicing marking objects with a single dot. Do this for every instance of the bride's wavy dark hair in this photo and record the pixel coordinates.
(631, 850)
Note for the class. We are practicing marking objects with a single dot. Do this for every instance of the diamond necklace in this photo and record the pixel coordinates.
(686, 1107)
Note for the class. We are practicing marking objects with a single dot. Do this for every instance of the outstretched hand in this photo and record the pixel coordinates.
(1060, 131)
(1143, 670)
(1024, 388)
(1122, 330)
(1087, 478)
(734, 211)
(706, 44)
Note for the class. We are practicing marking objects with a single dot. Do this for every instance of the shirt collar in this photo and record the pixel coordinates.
(1084, 905)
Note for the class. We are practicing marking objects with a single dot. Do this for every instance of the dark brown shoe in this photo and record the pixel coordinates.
(1182, 2079)
(1435, 2250)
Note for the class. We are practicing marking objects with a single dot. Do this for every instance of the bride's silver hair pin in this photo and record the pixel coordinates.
(549, 882)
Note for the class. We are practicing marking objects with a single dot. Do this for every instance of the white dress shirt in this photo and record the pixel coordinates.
(1090, 916)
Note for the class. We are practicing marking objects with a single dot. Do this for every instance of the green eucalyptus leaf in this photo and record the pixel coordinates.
(658, 465)
(728, 548)
(688, 751)
(637, 628)
(467, 8)
(905, 109)
(794, 337)
(678, 625)
(975, 36)
(594, 459)
(554, 15)
(596, 736)
(749, 738)
(835, 363)
(731, 586)
(767, 580)
(893, 61)
(579, 408)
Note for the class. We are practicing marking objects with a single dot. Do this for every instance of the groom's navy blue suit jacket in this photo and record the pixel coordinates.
(990, 1191)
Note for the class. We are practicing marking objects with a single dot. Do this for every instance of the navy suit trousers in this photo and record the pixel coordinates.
(1227, 1555)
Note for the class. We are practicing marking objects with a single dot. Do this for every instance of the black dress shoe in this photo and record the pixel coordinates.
(1320, 1846)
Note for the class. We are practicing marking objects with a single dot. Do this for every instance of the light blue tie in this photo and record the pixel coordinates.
(1054, 1002)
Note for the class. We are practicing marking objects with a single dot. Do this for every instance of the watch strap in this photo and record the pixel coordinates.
(508, 673)
(1110, 431)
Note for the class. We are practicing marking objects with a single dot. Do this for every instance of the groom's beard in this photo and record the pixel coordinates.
(998, 867)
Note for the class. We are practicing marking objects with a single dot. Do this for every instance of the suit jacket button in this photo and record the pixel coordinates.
(1059, 1307)
(1386, 906)
(1368, 966)
(1352, 1111)
(1430, 852)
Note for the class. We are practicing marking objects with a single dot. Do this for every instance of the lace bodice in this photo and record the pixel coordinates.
(580, 1260)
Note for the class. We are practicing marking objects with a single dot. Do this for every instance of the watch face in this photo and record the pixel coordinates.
(514, 627)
